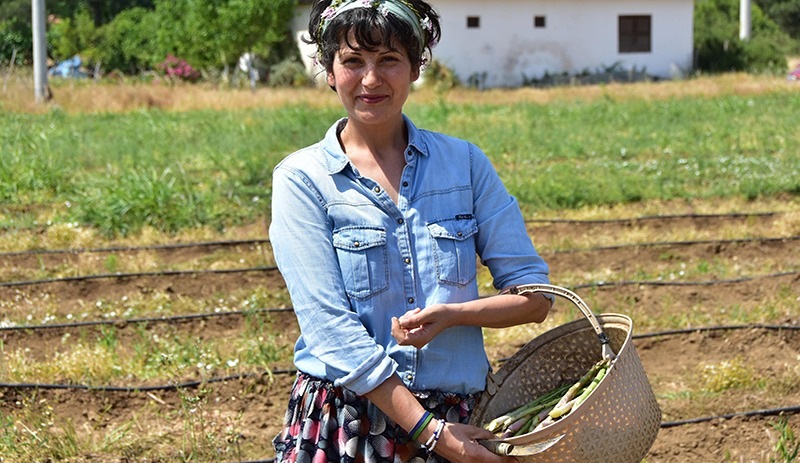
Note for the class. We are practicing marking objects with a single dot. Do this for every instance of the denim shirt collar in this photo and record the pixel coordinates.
(336, 159)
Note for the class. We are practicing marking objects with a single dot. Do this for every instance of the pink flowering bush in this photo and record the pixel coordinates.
(178, 69)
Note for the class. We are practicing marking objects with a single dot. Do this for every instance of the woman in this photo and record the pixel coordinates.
(376, 229)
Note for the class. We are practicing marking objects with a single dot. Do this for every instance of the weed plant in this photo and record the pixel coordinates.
(121, 172)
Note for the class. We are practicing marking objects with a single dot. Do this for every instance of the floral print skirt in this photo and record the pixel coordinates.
(328, 424)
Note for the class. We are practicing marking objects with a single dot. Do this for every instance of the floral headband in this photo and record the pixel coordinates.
(399, 8)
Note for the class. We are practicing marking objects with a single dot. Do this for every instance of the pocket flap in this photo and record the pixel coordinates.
(358, 238)
(454, 229)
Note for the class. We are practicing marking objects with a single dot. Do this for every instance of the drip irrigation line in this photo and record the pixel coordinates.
(612, 284)
(195, 383)
(755, 326)
(655, 244)
(179, 318)
(267, 241)
(764, 412)
(154, 247)
(275, 268)
(137, 275)
(170, 319)
(643, 218)
(133, 389)
(671, 424)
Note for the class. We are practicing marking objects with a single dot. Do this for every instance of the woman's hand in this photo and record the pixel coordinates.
(459, 444)
(418, 327)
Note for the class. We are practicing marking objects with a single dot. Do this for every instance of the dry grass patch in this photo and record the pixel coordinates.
(90, 97)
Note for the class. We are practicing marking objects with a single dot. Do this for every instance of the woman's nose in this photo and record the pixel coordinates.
(371, 77)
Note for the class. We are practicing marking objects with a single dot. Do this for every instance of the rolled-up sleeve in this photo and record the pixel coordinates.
(301, 236)
(503, 243)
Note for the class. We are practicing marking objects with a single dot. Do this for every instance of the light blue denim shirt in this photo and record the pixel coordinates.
(352, 258)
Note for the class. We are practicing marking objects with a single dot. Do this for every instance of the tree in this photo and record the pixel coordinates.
(100, 11)
(125, 42)
(785, 13)
(214, 33)
(719, 49)
(15, 31)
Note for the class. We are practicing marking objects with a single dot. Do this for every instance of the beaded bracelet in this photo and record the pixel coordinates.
(421, 425)
(431, 444)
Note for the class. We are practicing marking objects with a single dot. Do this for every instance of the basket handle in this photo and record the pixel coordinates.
(575, 299)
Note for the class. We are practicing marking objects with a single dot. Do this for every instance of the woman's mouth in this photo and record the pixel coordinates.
(372, 99)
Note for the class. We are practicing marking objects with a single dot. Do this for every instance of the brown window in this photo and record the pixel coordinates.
(473, 22)
(635, 34)
(538, 22)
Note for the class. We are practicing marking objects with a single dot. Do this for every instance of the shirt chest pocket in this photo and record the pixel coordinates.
(363, 258)
(454, 250)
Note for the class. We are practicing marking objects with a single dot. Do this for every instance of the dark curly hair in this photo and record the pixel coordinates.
(372, 29)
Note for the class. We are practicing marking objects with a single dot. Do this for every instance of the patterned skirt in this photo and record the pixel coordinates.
(328, 424)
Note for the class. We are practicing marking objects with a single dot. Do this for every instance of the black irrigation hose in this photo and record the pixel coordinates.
(293, 371)
(657, 244)
(170, 319)
(755, 326)
(611, 284)
(666, 424)
(765, 412)
(660, 217)
(274, 268)
(179, 318)
(133, 389)
(266, 241)
(155, 247)
(137, 275)
(672, 424)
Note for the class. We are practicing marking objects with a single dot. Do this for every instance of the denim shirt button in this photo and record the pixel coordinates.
(410, 300)
(405, 183)
(407, 260)
(356, 244)
(409, 376)
(400, 221)
(377, 189)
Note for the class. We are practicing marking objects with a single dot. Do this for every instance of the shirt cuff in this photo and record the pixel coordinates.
(375, 370)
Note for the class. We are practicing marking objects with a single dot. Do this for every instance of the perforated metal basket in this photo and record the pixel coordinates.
(617, 423)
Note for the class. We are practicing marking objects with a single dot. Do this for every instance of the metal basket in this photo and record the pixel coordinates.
(617, 423)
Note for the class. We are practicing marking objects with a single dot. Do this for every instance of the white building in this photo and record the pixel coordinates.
(504, 43)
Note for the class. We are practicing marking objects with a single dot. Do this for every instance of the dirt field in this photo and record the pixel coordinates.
(763, 273)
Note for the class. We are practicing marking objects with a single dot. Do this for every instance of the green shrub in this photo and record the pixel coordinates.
(126, 42)
(15, 35)
(719, 49)
(289, 73)
(437, 75)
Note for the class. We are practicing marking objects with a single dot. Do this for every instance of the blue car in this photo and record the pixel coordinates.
(68, 68)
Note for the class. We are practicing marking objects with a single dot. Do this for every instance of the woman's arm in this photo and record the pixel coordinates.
(457, 442)
(417, 327)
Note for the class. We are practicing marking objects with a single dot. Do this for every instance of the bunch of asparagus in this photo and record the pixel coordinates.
(549, 407)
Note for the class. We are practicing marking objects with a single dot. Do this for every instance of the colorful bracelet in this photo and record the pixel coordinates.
(421, 425)
(431, 444)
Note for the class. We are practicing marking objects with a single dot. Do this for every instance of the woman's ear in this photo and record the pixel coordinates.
(415, 73)
(331, 79)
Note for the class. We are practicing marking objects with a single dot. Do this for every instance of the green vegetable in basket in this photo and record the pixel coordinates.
(570, 399)
(549, 407)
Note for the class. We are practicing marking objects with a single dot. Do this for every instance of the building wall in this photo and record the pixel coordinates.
(578, 35)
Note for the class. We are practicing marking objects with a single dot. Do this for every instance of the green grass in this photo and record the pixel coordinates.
(121, 172)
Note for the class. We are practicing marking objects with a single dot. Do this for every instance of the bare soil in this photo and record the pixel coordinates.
(727, 429)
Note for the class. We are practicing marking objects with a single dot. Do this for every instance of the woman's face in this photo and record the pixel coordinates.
(372, 85)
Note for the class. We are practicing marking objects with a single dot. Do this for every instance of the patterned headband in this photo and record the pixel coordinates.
(399, 8)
